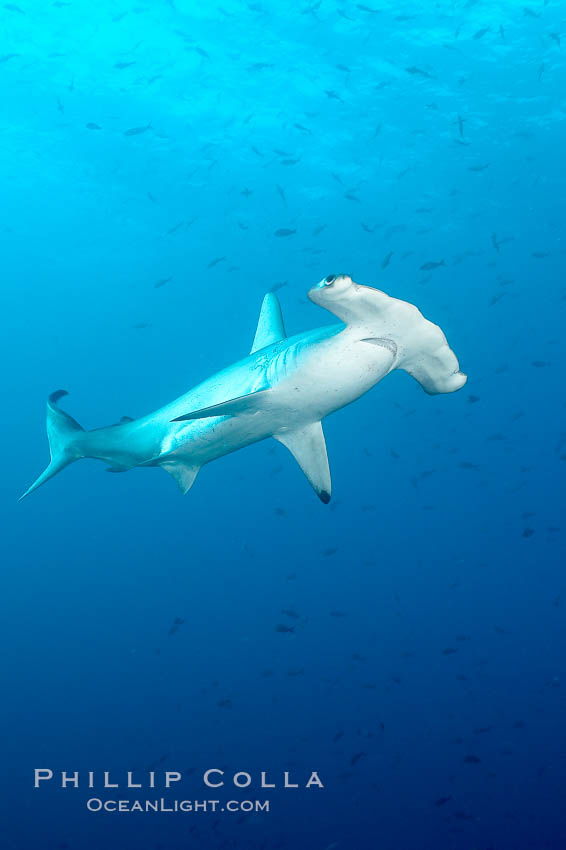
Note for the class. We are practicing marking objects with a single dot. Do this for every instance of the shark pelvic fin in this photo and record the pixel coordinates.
(270, 327)
(183, 473)
(242, 404)
(308, 447)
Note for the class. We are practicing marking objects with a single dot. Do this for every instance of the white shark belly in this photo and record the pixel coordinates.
(330, 375)
(318, 380)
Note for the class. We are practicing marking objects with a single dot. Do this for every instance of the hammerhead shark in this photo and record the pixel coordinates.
(283, 389)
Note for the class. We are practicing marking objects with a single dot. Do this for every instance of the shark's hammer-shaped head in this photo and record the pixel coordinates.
(333, 288)
(419, 346)
(352, 303)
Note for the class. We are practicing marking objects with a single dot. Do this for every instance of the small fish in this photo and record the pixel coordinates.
(480, 33)
(178, 621)
(331, 95)
(555, 37)
(367, 228)
(284, 231)
(277, 286)
(136, 131)
(260, 66)
(428, 267)
(283, 629)
(318, 230)
(414, 71)
(478, 168)
(289, 162)
(290, 613)
(473, 399)
(11, 7)
(281, 193)
(351, 197)
(256, 151)
(460, 122)
(387, 259)
(122, 65)
(174, 228)
(162, 282)
(303, 129)
(529, 13)
(472, 760)
(356, 757)
(215, 262)
(442, 801)
(541, 71)
(7, 56)
(343, 68)
(60, 106)
(92, 126)
(539, 255)
(246, 193)
(363, 8)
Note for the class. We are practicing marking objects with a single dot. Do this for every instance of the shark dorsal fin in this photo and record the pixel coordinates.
(308, 447)
(270, 327)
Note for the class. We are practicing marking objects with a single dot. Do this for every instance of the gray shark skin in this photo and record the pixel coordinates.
(283, 389)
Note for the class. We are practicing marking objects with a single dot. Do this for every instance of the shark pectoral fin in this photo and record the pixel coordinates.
(308, 447)
(242, 404)
(270, 327)
(382, 343)
(183, 473)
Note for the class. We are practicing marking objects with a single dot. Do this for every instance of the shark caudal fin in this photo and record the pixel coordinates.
(62, 433)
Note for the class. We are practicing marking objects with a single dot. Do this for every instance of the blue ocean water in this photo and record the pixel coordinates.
(151, 151)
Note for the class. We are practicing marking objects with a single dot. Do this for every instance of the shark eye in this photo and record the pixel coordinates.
(330, 279)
